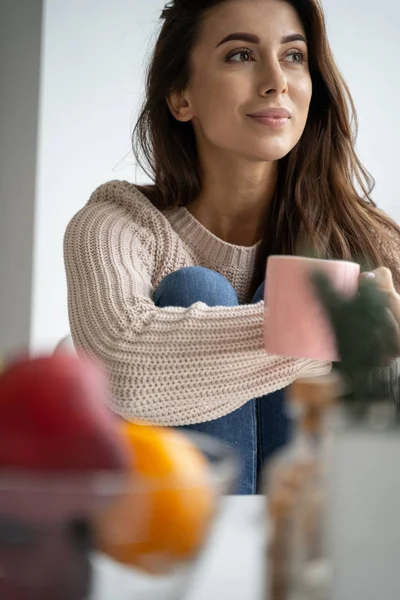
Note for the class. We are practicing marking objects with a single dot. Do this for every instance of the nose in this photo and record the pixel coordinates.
(273, 79)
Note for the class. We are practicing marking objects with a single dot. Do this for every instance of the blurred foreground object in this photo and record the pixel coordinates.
(74, 479)
(54, 416)
(174, 499)
(333, 494)
(61, 458)
(365, 336)
(363, 538)
(297, 497)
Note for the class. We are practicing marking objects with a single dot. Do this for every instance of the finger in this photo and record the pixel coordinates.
(383, 278)
(384, 282)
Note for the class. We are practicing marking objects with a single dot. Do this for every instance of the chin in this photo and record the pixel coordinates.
(269, 150)
(270, 155)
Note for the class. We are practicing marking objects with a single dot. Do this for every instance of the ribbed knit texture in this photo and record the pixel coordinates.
(172, 366)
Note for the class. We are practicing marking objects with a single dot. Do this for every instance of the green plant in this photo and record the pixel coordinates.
(365, 335)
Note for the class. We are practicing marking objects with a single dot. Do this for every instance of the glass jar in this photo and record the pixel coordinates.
(295, 484)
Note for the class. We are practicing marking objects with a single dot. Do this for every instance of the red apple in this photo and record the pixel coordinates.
(54, 416)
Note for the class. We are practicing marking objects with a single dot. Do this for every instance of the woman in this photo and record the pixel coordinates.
(246, 132)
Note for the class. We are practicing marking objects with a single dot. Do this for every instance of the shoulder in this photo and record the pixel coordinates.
(126, 196)
(387, 239)
(119, 222)
(387, 233)
(117, 205)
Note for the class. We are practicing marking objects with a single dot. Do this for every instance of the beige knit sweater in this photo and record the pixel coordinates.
(172, 366)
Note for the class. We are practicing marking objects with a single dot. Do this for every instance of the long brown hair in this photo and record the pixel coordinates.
(323, 195)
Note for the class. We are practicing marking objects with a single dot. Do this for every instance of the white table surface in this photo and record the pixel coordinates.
(233, 565)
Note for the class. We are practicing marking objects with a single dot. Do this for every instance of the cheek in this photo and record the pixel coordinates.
(215, 100)
(301, 95)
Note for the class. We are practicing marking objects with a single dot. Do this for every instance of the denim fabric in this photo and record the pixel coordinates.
(258, 428)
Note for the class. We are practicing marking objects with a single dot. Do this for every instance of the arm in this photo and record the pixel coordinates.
(171, 366)
(388, 242)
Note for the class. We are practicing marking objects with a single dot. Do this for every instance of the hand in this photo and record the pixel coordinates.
(384, 282)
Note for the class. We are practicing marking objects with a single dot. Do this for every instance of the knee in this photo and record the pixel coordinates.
(259, 295)
(195, 284)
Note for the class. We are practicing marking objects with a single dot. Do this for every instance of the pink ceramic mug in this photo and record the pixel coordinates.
(295, 323)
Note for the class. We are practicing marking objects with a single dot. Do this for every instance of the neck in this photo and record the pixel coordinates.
(234, 199)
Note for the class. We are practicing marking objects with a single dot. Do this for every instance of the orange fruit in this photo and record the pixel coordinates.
(164, 515)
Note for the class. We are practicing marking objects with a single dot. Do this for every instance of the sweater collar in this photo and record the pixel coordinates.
(207, 244)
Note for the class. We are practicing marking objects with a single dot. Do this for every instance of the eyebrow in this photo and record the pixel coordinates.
(254, 39)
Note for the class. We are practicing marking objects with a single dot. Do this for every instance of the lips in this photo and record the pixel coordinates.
(272, 113)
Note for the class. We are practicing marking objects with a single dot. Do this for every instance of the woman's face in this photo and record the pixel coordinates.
(249, 63)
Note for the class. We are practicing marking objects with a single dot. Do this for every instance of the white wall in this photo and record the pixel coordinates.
(364, 38)
(91, 81)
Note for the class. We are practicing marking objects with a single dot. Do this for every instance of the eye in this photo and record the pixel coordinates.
(297, 57)
(243, 55)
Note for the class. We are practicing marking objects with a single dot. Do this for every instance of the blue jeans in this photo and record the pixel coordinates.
(259, 427)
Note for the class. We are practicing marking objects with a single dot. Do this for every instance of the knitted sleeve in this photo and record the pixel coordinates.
(389, 243)
(171, 366)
